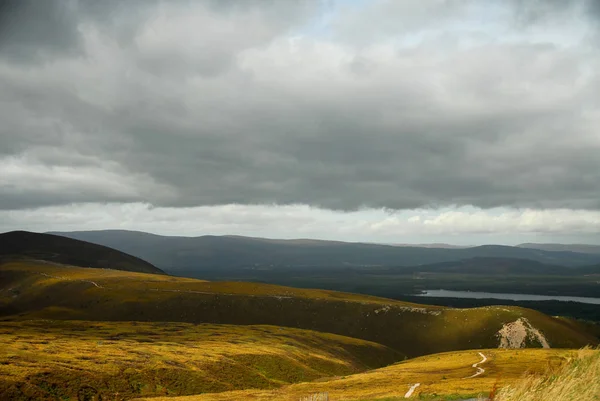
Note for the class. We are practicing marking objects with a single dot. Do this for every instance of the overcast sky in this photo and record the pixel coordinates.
(459, 121)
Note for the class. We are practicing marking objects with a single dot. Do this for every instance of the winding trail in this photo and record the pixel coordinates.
(70, 279)
(411, 390)
(476, 365)
(479, 371)
(93, 282)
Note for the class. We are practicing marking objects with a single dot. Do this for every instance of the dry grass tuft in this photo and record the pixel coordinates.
(316, 397)
(579, 379)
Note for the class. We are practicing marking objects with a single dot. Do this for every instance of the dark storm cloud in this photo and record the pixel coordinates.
(31, 29)
(204, 103)
(594, 8)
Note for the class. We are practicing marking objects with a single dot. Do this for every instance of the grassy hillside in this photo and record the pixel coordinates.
(58, 249)
(67, 360)
(50, 292)
(577, 380)
(440, 377)
(175, 254)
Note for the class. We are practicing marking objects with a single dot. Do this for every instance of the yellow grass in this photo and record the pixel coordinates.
(120, 360)
(578, 380)
(439, 374)
(115, 280)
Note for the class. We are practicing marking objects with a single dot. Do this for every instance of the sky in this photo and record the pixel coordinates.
(395, 121)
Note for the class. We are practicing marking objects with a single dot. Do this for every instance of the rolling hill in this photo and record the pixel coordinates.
(122, 360)
(196, 254)
(63, 250)
(41, 291)
(440, 377)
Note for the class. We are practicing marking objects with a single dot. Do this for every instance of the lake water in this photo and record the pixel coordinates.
(512, 297)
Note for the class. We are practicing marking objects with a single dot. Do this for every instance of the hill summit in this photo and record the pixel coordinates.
(68, 251)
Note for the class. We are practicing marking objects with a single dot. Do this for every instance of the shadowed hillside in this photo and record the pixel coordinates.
(33, 290)
(58, 249)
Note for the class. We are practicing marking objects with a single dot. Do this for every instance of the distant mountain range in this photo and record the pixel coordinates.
(174, 254)
(582, 248)
(434, 245)
(67, 251)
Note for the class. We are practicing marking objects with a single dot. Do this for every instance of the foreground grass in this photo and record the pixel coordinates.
(577, 380)
(442, 377)
(71, 360)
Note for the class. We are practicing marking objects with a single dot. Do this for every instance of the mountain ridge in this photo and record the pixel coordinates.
(580, 248)
(229, 252)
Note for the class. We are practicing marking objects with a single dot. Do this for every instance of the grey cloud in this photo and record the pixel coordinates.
(37, 30)
(534, 11)
(32, 29)
(38, 198)
(399, 19)
(250, 118)
(594, 9)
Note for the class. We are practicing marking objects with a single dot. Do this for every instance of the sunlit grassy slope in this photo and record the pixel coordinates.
(37, 290)
(577, 380)
(441, 376)
(120, 360)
